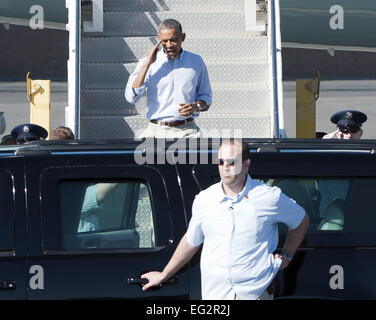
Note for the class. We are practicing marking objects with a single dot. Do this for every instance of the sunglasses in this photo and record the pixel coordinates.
(229, 161)
(352, 129)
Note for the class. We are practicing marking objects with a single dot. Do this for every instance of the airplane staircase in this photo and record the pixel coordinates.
(239, 62)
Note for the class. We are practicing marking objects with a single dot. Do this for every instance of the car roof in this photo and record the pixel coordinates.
(192, 145)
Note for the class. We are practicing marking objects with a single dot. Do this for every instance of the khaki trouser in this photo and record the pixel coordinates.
(189, 130)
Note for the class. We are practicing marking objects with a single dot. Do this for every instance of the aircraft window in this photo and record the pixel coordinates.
(337, 205)
(7, 212)
(106, 215)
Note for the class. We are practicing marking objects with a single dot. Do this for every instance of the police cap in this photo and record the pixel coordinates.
(348, 120)
(28, 132)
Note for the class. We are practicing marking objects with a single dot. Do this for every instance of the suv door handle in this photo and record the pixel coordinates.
(4, 285)
(136, 280)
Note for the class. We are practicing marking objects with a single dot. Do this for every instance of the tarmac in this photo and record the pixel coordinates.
(16, 107)
(334, 96)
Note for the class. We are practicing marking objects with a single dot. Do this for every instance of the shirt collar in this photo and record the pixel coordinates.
(223, 197)
(181, 55)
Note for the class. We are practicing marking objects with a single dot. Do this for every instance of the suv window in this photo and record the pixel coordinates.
(340, 205)
(97, 215)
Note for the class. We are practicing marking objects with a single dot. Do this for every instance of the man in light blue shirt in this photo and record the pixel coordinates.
(176, 83)
(94, 197)
(236, 220)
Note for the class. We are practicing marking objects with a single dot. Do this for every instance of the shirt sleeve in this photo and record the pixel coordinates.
(132, 95)
(204, 91)
(90, 200)
(288, 211)
(195, 235)
(88, 218)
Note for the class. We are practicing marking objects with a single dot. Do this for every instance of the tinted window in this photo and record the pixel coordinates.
(105, 215)
(340, 205)
(7, 212)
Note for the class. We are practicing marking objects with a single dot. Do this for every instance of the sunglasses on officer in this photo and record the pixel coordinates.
(352, 129)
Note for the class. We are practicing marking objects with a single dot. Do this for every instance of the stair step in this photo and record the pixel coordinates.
(119, 49)
(156, 5)
(139, 23)
(115, 75)
(247, 100)
(109, 102)
(113, 127)
(240, 126)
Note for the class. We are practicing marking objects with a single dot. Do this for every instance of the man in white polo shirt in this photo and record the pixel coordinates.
(176, 83)
(236, 220)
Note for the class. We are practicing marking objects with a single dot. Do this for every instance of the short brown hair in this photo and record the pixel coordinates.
(62, 133)
(244, 146)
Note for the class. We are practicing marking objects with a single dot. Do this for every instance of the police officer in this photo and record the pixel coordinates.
(28, 132)
(349, 124)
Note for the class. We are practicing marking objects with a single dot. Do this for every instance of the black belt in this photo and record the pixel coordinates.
(172, 123)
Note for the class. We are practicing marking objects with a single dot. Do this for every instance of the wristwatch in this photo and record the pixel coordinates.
(199, 107)
(286, 256)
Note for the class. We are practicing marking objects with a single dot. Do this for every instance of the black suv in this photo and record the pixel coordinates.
(84, 219)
